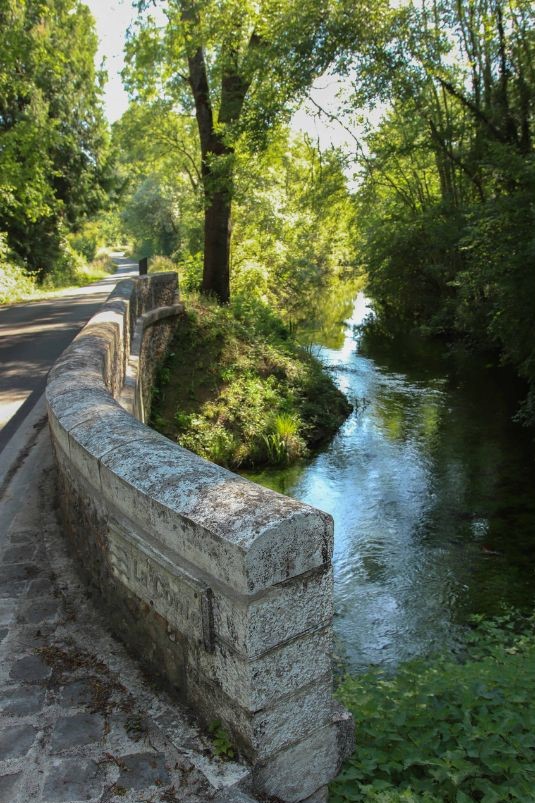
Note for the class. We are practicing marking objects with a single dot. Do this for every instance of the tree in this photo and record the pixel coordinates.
(237, 66)
(159, 157)
(449, 176)
(55, 167)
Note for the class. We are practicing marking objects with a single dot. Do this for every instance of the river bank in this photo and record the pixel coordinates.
(237, 389)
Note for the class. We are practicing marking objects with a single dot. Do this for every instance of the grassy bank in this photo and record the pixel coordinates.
(238, 390)
(453, 729)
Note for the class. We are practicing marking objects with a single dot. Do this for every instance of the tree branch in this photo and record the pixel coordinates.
(476, 111)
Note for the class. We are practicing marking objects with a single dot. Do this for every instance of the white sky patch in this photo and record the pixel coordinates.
(113, 18)
(323, 127)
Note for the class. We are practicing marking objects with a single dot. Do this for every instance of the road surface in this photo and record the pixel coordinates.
(33, 335)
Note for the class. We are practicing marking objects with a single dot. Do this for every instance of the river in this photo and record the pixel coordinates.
(432, 491)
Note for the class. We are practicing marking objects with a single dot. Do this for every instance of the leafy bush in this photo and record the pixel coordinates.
(452, 729)
(102, 264)
(14, 280)
(87, 240)
(191, 272)
(64, 271)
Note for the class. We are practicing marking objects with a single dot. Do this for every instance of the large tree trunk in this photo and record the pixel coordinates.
(217, 162)
(216, 274)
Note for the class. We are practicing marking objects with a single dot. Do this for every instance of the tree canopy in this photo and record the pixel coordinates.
(238, 67)
(446, 216)
(55, 167)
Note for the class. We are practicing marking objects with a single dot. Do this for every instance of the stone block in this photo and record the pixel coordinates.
(245, 536)
(9, 785)
(255, 684)
(66, 380)
(139, 770)
(75, 406)
(69, 779)
(76, 730)
(301, 770)
(16, 740)
(185, 601)
(35, 612)
(7, 612)
(77, 693)
(260, 734)
(30, 669)
(59, 436)
(255, 625)
(92, 439)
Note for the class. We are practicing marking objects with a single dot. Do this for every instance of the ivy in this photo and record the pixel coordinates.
(453, 728)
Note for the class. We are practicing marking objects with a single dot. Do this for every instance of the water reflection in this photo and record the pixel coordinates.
(431, 489)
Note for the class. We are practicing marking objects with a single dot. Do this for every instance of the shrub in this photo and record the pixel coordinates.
(452, 728)
(14, 280)
(86, 241)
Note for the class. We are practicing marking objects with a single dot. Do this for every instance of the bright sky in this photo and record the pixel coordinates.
(113, 18)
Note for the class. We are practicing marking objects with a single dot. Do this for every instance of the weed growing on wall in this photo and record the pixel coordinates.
(221, 743)
(452, 729)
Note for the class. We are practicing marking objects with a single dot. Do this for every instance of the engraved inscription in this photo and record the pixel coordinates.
(183, 600)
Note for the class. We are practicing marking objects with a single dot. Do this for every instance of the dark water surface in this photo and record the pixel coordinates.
(432, 490)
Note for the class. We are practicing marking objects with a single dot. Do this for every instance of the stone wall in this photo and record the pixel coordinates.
(221, 587)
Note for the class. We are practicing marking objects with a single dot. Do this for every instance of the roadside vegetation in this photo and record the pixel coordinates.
(16, 284)
(238, 390)
(57, 170)
(453, 728)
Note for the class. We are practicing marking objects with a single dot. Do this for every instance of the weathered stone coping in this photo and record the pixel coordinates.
(130, 397)
(221, 586)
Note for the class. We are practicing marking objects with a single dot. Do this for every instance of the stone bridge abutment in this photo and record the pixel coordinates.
(219, 586)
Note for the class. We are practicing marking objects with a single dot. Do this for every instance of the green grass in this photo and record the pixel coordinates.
(18, 286)
(451, 729)
(238, 390)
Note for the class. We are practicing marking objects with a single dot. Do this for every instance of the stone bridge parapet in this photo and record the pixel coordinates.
(221, 587)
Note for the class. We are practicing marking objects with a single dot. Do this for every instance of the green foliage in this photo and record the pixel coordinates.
(237, 390)
(55, 165)
(449, 729)
(162, 205)
(293, 234)
(283, 444)
(159, 264)
(446, 202)
(87, 240)
(14, 280)
(222, 745)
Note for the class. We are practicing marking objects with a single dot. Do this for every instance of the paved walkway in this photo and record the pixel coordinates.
(78, 719)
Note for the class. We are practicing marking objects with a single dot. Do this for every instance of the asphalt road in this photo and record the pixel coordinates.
(33, 335)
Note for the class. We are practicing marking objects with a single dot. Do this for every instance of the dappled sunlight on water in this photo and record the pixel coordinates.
(432, 492)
